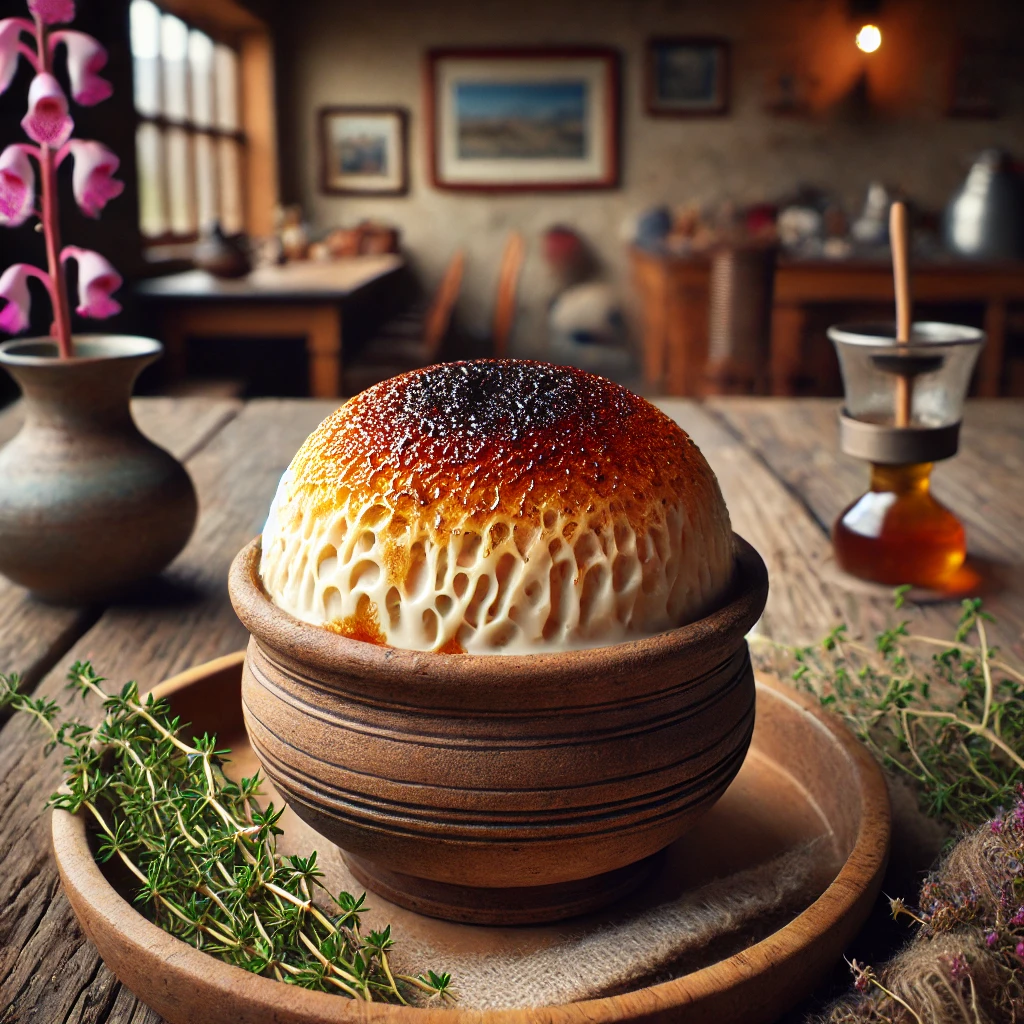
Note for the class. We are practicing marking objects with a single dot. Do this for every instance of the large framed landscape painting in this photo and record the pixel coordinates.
(363, 151)
(523, 120)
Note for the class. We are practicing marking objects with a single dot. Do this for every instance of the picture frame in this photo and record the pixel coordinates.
(974, 75)
(790, 89)
(523, 120)
(688, 76)
(364, 150)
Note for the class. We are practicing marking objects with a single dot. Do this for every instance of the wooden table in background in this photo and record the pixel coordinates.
(302, 299)
(674, 299)
(784, 483)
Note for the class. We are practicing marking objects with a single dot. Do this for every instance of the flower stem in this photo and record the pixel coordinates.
(61, 329)
(31, 57)
(896, 999)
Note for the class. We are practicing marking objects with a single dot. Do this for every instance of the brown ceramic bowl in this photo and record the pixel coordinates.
(497, 788)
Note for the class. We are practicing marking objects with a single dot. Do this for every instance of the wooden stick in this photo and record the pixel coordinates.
(901, 278)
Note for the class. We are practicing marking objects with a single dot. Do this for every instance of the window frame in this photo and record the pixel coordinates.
(170, 242)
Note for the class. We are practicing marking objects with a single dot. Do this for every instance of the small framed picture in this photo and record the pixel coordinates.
(363, 151)
(523, 120)
(688, 77)
(974, 82)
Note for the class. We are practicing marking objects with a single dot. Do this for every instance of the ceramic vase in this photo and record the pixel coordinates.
(223, 255)
(88, 505)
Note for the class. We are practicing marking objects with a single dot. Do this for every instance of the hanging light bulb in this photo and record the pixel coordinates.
(869, 38)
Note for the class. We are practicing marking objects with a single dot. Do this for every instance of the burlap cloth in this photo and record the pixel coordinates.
(749, 866)
(602, 956)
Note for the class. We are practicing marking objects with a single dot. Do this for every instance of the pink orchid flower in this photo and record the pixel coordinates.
(92, 181)
(14, 292)
(97, 279)
(86, 57)
(17, 186)
(10, 40)
(53, 12)
(49, 124)
(47, 121)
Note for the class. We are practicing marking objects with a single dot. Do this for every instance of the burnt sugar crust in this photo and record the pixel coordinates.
(497, 505)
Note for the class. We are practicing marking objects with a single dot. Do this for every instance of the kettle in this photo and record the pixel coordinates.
(222, 255)
(985, 218)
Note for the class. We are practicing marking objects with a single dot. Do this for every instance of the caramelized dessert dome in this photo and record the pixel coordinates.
(497, 506)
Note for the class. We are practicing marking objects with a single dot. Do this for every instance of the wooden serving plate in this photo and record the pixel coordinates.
(806, 779)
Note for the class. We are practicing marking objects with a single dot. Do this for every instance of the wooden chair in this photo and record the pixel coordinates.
(408, 341)
(508, 288)
(740, 290)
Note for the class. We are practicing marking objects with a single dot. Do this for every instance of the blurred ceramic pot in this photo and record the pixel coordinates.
(88, 505)
(985, 218)
(500, 789)
(223, 255)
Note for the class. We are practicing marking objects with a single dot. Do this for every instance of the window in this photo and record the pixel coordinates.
(189, 143)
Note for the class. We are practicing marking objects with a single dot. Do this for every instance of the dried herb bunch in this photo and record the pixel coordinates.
(966, 961)
(204, 853)
(948, 714)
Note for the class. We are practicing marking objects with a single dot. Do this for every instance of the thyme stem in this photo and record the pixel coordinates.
(203, 852)
(947, 713)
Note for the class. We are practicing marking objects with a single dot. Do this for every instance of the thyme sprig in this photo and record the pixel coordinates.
(948, 714)
(203, 852)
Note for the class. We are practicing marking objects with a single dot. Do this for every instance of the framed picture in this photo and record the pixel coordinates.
(789, 89)
(523, 120)
(688, 77)
(974, 82)
(363, 151)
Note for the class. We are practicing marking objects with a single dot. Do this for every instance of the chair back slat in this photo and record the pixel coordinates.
(740, 292)
(439, 315)
(508, 286)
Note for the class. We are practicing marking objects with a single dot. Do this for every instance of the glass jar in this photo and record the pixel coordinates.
(897, 532)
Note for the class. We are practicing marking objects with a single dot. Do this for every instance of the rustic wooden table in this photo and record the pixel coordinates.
(784, 483)
(303, 299)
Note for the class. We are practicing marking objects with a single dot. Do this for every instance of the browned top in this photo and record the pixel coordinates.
(465, 441)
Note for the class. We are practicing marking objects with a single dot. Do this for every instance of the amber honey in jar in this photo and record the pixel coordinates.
(897, 532)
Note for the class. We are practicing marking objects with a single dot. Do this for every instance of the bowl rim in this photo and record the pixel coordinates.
(90, 349)
(317, 647)
(841, 907)
(924, 335)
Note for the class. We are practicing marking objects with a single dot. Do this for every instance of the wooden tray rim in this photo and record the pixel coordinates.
(846, 899)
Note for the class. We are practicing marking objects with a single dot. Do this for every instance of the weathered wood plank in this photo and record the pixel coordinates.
(994, 428)
(181, 425)
(48, 971)
(984, 484)
(34, 635)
